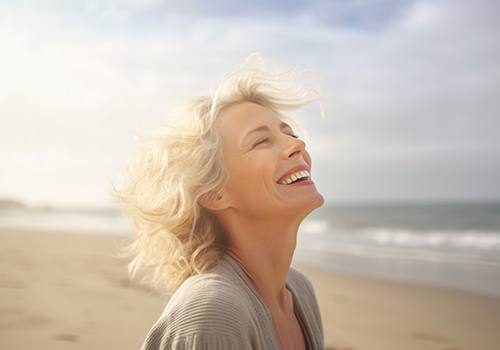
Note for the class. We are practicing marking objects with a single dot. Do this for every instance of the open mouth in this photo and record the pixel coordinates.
(299, 177)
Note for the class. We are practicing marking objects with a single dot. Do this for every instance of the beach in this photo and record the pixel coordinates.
(67, 291)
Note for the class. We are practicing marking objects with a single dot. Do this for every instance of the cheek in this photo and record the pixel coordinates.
(241, 178)
(253, 176)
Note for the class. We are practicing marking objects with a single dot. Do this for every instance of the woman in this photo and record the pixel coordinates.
(217, 202)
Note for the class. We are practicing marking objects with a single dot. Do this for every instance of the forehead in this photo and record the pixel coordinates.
(240, 118)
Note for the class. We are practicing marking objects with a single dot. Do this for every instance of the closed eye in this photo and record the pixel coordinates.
(261, 141)
(268, 140)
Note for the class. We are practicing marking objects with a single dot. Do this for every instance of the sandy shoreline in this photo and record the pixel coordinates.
(65, 291)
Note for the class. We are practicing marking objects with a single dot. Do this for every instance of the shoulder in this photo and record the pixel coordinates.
(300, 282)
(208, 297)
(306, 297)
(206, 309)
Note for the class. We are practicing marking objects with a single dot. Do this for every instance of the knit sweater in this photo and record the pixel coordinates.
(221, 309)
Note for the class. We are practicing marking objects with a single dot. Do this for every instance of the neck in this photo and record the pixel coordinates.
(264, 251)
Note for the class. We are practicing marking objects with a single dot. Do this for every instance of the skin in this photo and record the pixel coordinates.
(260, 217)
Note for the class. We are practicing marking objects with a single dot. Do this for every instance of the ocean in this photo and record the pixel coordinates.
(454, 245)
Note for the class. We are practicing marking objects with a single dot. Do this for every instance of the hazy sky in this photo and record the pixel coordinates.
(411, 89)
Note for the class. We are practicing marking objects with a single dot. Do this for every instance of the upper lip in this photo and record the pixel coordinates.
(293, 170)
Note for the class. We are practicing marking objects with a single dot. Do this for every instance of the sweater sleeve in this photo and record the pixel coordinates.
(196, 341)
(203, 316)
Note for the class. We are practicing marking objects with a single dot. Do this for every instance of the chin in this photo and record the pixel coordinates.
(317, 201)
(308, 205)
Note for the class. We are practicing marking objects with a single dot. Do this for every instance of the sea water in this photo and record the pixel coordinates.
(441, 244)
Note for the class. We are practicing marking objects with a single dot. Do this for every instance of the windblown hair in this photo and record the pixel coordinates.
(175, 236)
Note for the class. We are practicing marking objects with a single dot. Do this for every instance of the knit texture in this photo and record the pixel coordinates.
(220, 309)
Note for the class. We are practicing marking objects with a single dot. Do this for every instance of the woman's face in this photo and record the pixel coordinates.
(261, 152)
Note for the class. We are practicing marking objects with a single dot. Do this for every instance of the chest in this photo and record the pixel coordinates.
(289, 333)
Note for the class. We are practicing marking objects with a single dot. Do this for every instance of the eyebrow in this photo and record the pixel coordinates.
(283, 125)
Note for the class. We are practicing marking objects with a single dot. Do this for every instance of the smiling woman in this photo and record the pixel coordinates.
(217, 201)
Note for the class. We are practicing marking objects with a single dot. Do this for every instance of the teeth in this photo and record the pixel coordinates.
(292, 177)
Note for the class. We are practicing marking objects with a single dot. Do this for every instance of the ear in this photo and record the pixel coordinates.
(216, 204)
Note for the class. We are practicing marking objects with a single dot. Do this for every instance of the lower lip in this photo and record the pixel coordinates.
(300, 183)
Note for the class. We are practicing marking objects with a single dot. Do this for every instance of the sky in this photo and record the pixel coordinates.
(409, 88)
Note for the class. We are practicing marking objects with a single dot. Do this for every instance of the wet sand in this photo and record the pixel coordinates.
(66, 291)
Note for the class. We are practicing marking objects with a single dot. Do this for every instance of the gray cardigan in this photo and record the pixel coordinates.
(220, 309)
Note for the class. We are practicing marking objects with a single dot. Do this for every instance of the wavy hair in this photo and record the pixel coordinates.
(175, 236)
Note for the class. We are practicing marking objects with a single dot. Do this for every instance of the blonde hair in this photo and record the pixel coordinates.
(177, 237)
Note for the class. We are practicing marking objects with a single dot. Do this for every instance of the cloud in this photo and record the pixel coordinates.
(405, 84)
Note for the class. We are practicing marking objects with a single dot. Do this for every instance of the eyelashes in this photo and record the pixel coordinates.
(267, 139)
(261, 141)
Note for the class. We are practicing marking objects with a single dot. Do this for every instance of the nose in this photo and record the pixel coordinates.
(295, 147)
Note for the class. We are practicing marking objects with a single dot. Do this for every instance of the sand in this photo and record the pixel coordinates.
(65, 291)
